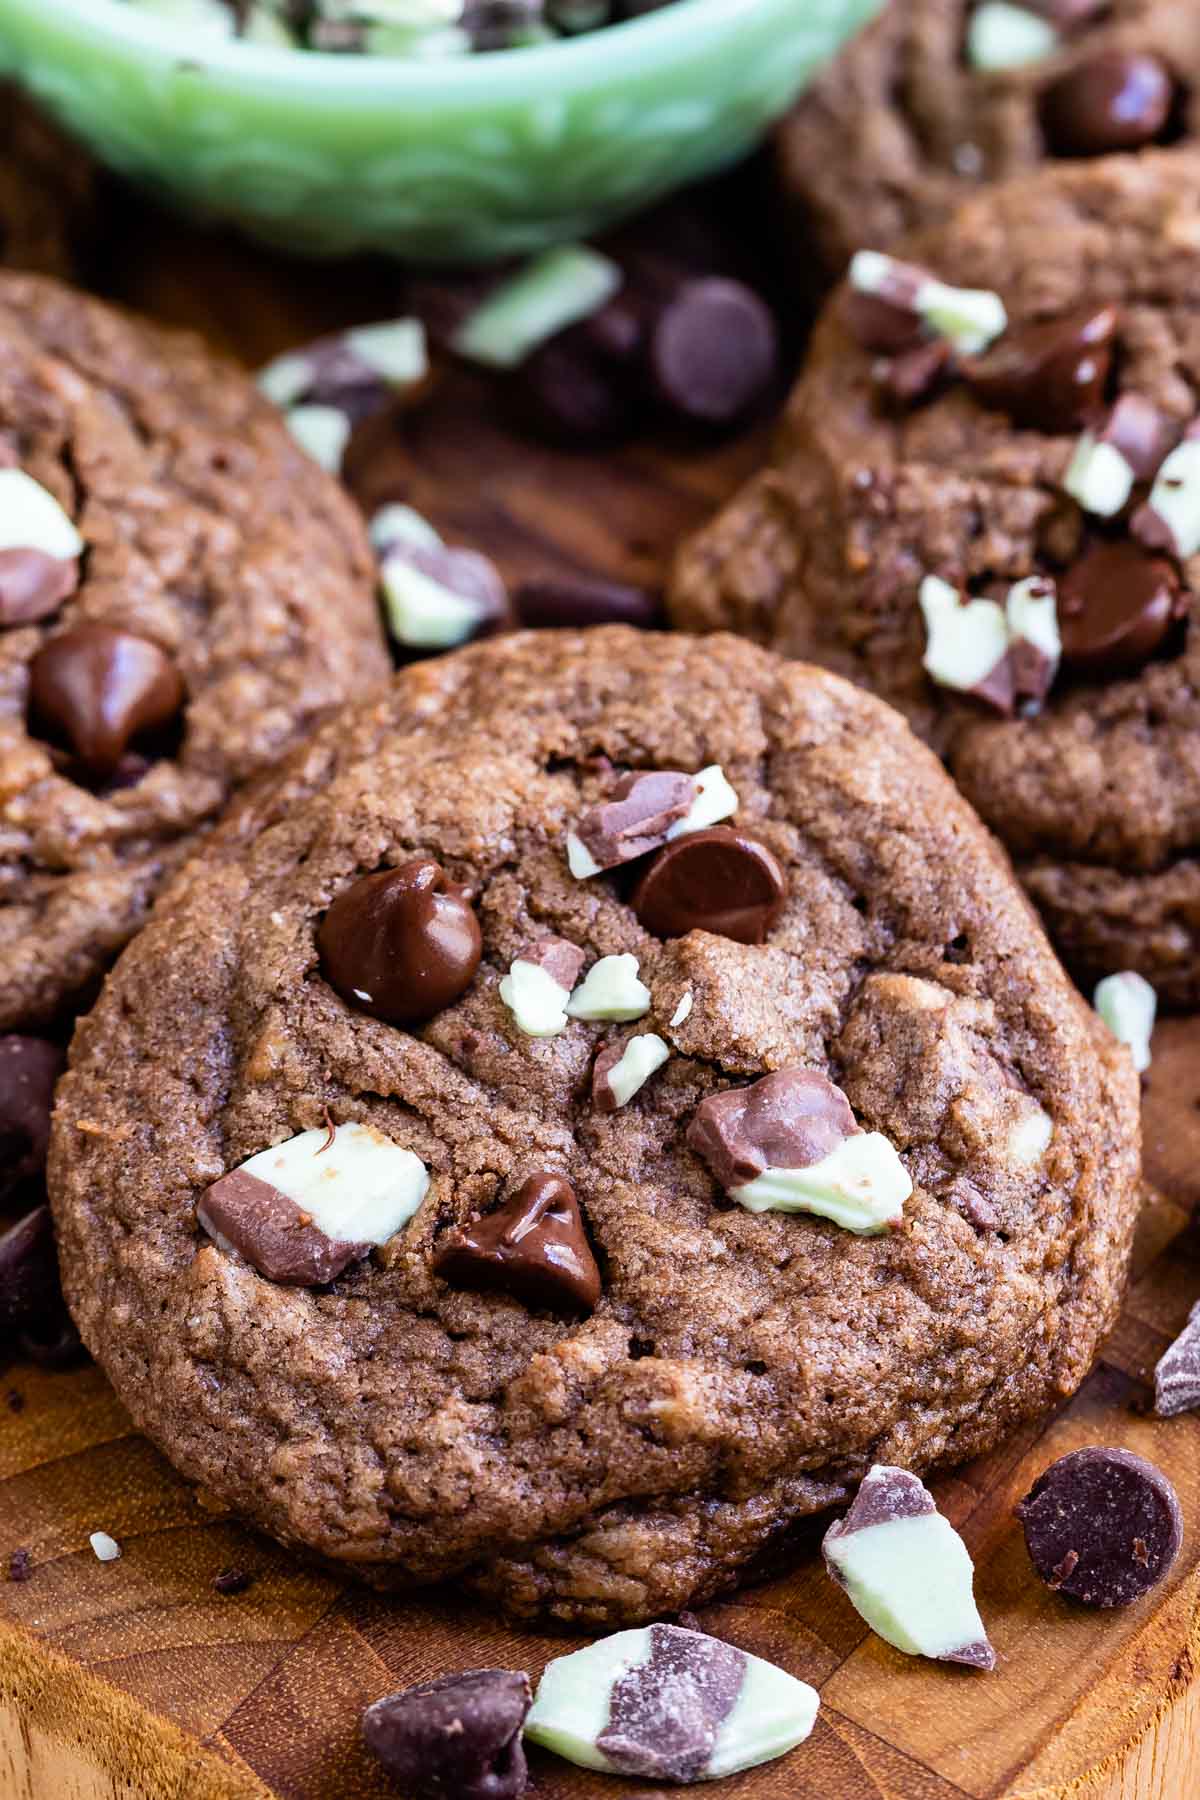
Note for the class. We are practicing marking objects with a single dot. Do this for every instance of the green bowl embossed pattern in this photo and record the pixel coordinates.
(474, 158)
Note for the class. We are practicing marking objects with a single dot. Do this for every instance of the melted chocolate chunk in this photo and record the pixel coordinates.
(1116, 100)
(99, 688)
(717, 880)
(534, 1247)
(401, 945)
(1115, 608)
(1049, 375)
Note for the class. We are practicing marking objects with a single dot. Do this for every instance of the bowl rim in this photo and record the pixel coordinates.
(595, 56)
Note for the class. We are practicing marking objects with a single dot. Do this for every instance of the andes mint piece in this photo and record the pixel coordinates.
(714, 351)
(458, 1738)
(621, 1069)
(436, 597)
(99, 688)
(668, 1704)
(302, 1211)
(1034, 640)
(1127, 1004)
(997, 653)
(1115, 608)
(1177, 1373)
(1049, 375)
(558, 288)
(534, 1247)
(39, 550)
(586, 386)
(1109, 459)
(612, 989)
(912, 376)
(1102, 1525)
(538, 986)
(572, 601)
(29, 1069)
(355, 373)
(716, 880)
(30, 1300)
(1170, 519)
(402, 944)
(790, 1143)
(644, 806)
(891, 306)
(1003, 36)
(907, 1571)
(1115, 100)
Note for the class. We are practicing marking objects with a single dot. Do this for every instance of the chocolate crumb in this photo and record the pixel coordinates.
(233, 1581)
(20, 1565)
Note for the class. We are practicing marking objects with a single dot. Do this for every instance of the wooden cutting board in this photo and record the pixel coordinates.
(138, 1678)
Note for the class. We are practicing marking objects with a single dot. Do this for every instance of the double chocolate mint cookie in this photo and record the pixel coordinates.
(987, 508)
(602, 1096)
(182, 594)
(940, 97)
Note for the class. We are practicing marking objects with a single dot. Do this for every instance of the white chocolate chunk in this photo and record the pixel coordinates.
(611, 989)
(1098, 477)
(536, 1001)
(683, 1010)
(1128, 1004)
(32, 519)
(911, 1578)
(1175, 496)
(556, 289)
(580, 860)
(768, 1714)
(642, 1056)
(323, 431)
(396, 350)
(399, 524)
(1029, 1138)
(965, 640)
(105, 1548)
(361, 1188)
(861, 1185)
(715, 800)
(422, 613)
(1001, 36)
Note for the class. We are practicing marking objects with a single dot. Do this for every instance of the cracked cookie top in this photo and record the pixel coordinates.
(182, 594)
(589, 1237)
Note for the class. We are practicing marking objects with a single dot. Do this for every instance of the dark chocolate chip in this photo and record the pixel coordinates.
(717, 880)
(34, 585)
(1115, 607)
(30, 1300)
(575, 600)
(787, 1120)
(401, 945)
(586, 385)
(29, 1068)
(1116, 100)
(1102, 1525)
(458, 1738)
(99, 688)
(272, 1233)
(643, 807)
(1049, 375)
(533, 1247)
(714, 351)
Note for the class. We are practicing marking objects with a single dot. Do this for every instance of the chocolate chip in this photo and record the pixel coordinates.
(30, 1300)
(787, 1120)
(1177, 1374)
(718, 880)
(458, 1738)
(1102, 1525)
(99, 688)
(1116, 100)
(401, 945)
(714, 351)
(20, 1565)
(233, 1581)
(29, 1068)
(643, 807)
(1115, 608)
(533, 1247)
(576, 600)
(1049, 375)
(586, 386)
(34, 585)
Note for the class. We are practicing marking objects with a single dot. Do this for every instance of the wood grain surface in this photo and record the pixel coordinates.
(139, 1679)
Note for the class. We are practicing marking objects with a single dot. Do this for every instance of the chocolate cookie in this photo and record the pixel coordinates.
(402, 1280)
(983, 510)
(182, 594)
(49, 192)
(939, 97)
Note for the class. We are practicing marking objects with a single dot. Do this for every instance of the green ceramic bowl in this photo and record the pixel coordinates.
(472, 158)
